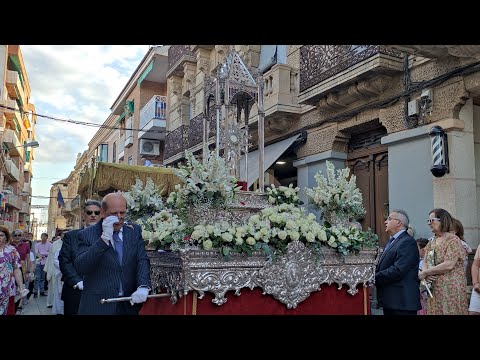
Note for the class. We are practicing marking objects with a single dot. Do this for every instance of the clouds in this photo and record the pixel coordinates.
(78, 82)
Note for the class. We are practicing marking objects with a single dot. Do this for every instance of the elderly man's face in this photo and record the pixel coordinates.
(117, 206)
(17, 237)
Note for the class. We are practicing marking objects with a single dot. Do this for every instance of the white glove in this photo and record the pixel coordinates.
(139, 296)
(79, 285)
(107, 228)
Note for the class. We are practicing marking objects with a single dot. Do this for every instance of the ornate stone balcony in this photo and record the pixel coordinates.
(177, 56)
(438, 51)
(326, 68)
(281, 97)
(176, 142)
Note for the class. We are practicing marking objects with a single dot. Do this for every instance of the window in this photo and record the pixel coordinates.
(102, 153)
(130, 160)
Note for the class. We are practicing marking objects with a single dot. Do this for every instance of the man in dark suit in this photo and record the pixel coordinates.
(72, 281)
(113, 261)
(396, 275)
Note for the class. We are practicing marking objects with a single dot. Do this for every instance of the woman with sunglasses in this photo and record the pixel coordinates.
(443, 268)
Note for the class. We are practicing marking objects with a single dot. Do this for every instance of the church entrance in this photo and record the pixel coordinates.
(368, 160)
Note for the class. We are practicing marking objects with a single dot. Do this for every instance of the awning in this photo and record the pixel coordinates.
(272, 153)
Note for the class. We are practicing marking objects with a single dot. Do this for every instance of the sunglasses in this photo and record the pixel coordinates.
(429, 221)
(89, 212)
(17, 235)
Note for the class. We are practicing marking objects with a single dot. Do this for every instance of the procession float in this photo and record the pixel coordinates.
(216, 248)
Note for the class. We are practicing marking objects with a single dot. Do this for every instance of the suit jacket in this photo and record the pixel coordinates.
(70, 276)
(396, 275)
(102, 271)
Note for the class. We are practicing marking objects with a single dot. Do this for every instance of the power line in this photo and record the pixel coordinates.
(84, 123)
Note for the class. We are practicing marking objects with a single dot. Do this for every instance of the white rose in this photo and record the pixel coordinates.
(282, 235)
(207, 244)
(250, 241)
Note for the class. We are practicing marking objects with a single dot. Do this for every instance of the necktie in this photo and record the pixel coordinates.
(389, 243)
(118, 246)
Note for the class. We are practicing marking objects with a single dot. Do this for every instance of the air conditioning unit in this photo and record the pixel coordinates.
(149, 147)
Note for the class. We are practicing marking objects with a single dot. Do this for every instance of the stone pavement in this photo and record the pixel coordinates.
(37, 306)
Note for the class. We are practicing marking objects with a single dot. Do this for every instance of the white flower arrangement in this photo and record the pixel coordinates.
(163, 229)
(210, 183)
(143, 201)
(336, 196)
(283, 195)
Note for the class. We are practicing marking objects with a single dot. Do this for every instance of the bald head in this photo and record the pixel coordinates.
(114, 204)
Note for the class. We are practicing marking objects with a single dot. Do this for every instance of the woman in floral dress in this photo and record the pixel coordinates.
(443, 268)
(9, 273)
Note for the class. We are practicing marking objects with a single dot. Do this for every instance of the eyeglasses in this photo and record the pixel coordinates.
(17, 235)
(390, 219)
(89, 212)
(429, 221)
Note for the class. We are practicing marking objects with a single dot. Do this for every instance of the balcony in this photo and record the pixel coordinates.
(25, 208)
(13, 201)
(12, 113)
(75, 203)
(27, 188)
(14, 86)
(281, 97)
(195, 131)
(28, 167)
(129, 132)
(11, 140)
(326, 68)
(153, 118)
(12, 169)
(177, 56)
(176, 142)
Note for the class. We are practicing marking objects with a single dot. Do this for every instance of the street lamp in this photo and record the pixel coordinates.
(32, 144)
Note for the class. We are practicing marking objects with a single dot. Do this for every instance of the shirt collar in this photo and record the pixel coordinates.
(396, 235)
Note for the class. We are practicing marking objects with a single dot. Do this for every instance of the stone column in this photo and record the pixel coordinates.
(457, 190)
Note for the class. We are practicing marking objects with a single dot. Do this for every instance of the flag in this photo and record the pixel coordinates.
(60, 201)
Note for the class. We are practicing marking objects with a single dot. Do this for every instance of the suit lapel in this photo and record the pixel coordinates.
(395, 244)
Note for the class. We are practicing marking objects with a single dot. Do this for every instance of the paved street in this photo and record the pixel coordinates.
(37, 306)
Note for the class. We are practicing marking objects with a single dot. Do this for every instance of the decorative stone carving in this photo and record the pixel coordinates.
(175, 83)
(363, 90)
(448, 100)
(279, 125)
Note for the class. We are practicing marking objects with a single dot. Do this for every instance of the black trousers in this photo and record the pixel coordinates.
(71, 300)
(399, 312)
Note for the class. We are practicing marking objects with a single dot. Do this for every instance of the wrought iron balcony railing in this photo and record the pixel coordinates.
(176, 52)
(195, 130)
(176, 141)
(320, 62)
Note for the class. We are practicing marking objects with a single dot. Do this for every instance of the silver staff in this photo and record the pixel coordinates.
(128, 298)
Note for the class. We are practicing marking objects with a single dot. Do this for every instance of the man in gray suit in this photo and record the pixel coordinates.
(113, 261)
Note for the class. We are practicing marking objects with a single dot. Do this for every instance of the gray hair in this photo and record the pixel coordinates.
(17, 231)
(402, 216)
(91, 202)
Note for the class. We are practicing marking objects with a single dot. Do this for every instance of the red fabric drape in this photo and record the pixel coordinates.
(328, 301)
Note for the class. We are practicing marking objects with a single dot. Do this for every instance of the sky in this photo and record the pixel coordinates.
(77, 82)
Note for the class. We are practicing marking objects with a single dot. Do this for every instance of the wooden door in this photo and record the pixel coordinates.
(370, 166)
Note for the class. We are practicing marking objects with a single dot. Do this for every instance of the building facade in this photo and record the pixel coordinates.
(134, 130)
(369, 108)
(17, 128)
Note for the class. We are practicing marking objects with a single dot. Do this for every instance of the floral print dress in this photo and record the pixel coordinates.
(9, 261)
(449, 289)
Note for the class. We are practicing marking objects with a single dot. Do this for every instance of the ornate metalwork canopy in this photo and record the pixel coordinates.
(235, 88)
